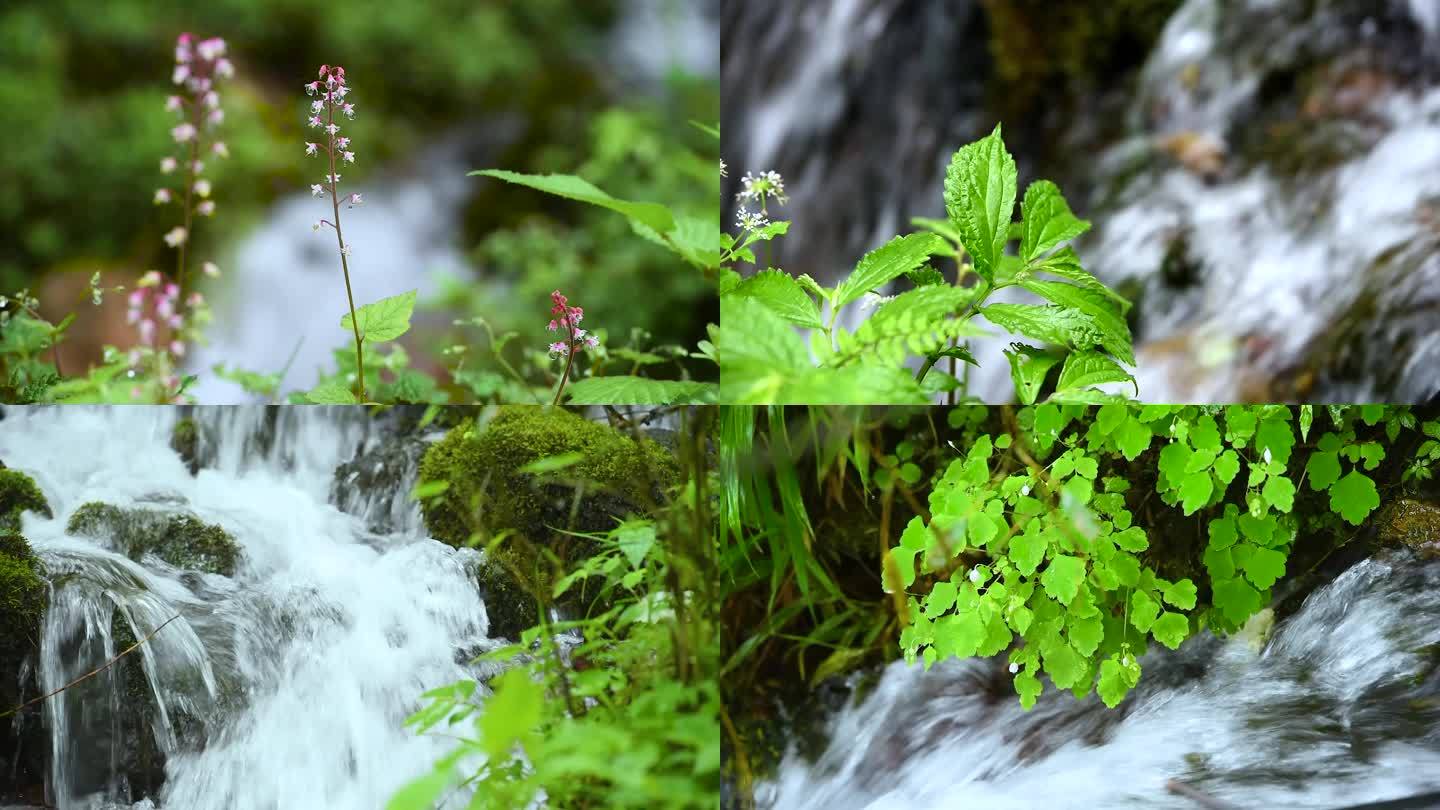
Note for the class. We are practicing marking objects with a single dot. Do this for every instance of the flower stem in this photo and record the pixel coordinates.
(569, 359)
(344, 265)
(181, 277)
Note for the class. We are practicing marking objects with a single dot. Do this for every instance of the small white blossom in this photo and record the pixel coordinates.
(317, 189)
(162, 196)
(173, 104)
(317, 106)
(315, 121)
(206, 208)
(168, 165)
(332, 128)
(751, 221)
(311, 148)
(210, 270)
(183, 133)
(334, 178)
(202, 187)
(355, 199)
(1014, 668)
(974, 575)
(220, 149)
(224, 69)
(349, 157)
(761, 187)
(1266, 455)
(176, 237)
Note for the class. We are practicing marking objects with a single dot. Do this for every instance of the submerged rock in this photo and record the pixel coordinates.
(375, 485)
(181, 540)
(491, 490)
(23, 599)
(189, 441)
(1410, 523)
(19, 493)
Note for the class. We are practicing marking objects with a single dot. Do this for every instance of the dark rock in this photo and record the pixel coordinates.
(179, 539)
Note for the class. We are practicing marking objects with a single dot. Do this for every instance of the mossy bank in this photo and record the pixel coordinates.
(600, 476)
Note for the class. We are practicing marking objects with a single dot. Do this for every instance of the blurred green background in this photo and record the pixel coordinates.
(83, 84)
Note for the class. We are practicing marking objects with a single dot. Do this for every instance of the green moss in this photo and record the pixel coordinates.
(22, 596)
(185, 441)
(182, 540)
(18, 493)
(482, 465)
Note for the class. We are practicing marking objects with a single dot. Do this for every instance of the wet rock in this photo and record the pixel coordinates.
(18, 493)
(376, 484)
(1410, 523)
(1200, 153)
(189, 441)
(179, 539)
(24, 744)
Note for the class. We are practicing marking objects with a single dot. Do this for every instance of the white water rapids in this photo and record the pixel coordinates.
(285, 686)
(1340, 707)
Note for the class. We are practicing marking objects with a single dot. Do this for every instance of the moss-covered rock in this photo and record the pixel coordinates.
(23, 598)
(19, 493)
(489, 492)
(1410, 523)
(482, 465)
(188, 441)
(182, 540)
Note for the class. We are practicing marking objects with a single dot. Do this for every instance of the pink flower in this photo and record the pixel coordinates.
(215, 117)
(332, 128)
(224, 69)
(317, 106)
(558, 349)
(349, 157)
(177, 348)
(147, 332)
(334, 178)
(176, 237)
(317, 189)
(315, 121)
(212, 99)
(173, 104)
(220, 149)
(312, 88)
(343, 143)
(206, 208)
(202, 187)
(311, 148)
(183, 133)
(150, 279)
(349, 110)
(168, 164)
(182, 72)
(355, 199)
(162, 196)
(197, 166)
(196, 299)
(211, 49)
(209, 269)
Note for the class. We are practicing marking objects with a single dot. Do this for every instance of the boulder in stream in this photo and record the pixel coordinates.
(18, 493)
(23, 741)
(179, 539)
(1411, 523)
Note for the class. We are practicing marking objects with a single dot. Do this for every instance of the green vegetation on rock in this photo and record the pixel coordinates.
(18, 493)
(182, 540)
(22, 596)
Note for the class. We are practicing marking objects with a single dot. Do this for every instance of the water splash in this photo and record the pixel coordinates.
(1325, 715)
(283, 686)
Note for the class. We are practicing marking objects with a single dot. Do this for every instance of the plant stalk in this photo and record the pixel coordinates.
(344, 265)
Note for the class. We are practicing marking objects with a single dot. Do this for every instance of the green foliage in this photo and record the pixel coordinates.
(386, 319)
(1082, 327)
(617, 703)
(1046, 544)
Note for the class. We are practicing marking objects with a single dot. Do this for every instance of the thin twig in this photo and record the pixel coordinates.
(92, 673)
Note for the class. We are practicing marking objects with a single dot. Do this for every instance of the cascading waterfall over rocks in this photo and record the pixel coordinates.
(282, 681)
(1341, 705)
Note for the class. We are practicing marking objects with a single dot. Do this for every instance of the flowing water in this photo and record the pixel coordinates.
(1340, 706)
(284, 686)
(1268, 189)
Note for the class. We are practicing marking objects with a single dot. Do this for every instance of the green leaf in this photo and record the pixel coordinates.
(1354, 497)
(1323, 469)
(640, 391)
(1086, 633)
(1102, 310)
(1026, 551)
(331, 394)
(1062, 577)
(1180, 594)
(1307, 417)
(420, 793)
(1171, 629)
(1028, 687)
(887, 263)
(1236, 599)
(1143, 611)
(1066, 265)
(1279, 492)
(429, 489)
(1264, 567)
(1116, 680)
(386, 319)
(635, 539)
(1226, 466)
(1133, 438)
(1047, 220)
(511, 713)
(549, 464)
(940, 600)
(1066, 667)
(980, 187)
(1195, 491)
(959, 635)
(655, 217)
(1084, 369)
(1028, 368)
(1222, 532)
(1132, 539)
(1047, 324)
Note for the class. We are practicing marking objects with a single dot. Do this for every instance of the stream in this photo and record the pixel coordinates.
(1267, 188)
(284, 685)
(1340, 706)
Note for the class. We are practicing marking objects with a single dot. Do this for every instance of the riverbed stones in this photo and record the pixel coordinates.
(180, 539)
(1411, 523)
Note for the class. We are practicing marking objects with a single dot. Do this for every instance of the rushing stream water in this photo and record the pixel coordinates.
(284, 686)
(1266, 188)
(1340, 706)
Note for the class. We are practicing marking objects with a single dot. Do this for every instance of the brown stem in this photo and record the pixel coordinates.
(344, 265)
(181, 276)
(92, 673)
(569, 359)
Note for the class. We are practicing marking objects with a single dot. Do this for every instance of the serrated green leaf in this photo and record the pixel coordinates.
(1180, 594)
(1101, 309)
(1065, 665)
(1133, 438)
(331, 394)
(980, 186)
(1048, 324)
(1237, 599)
(1085, 369)
(1026, 551)
(1028, 368)
(940, 600)
(887, 263)
(1264, 567)
(1322, 469)
(1062, 577)
(1195, 491)
(1143, 611)
(1116, 680)
(386, 319)
(1279, 492)
(1028, 687)
(1047, 220)
(1170, 629)
(1226, 466)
